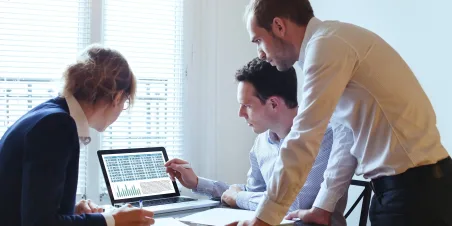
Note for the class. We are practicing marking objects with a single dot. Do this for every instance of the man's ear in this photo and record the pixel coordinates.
(274, 102)
(279, 27)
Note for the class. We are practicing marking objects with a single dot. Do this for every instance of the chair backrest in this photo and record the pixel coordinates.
(365, 195)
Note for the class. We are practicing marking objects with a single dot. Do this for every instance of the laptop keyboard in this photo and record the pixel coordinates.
(163, 201)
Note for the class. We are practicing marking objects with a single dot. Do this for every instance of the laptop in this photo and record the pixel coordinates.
(139, 174)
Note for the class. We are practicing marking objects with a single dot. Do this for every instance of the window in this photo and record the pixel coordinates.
(149, 34)
(39, 38)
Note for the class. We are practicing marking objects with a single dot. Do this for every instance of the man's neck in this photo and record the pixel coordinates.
(284, 123)
(296, 37)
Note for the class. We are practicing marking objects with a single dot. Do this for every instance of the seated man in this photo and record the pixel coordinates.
(268, 103)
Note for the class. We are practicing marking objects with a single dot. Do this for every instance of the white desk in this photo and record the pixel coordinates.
(176, 214)
(180, 214)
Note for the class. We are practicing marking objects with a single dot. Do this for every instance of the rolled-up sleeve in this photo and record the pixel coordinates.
(328, 67)
(340, 169)
(249, 200)
(255, 186)
(210, 188)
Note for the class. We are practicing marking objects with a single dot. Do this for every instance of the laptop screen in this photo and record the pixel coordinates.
(136, 174)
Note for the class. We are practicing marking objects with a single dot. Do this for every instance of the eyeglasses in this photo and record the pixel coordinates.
(127, 103)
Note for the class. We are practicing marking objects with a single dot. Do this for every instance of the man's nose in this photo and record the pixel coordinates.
(241, 112)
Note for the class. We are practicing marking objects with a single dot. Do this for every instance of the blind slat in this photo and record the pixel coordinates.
(151, 38)
(37, 39)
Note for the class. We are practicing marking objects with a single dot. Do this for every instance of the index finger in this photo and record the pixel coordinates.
(85, 208)
(176, 161)
(91, 205)
(142, 213)
(147, 213)
(148, 221)
(171, 173)
(292, 215)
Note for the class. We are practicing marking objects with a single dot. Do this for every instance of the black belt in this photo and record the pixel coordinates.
(416, 176)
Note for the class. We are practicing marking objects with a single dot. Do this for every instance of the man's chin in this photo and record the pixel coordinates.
(284, 65)
(258, 131)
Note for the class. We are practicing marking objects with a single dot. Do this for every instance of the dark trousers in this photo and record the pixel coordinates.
(421, 196)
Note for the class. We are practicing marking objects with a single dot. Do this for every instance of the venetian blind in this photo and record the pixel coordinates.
(149, 34)
(37, 41)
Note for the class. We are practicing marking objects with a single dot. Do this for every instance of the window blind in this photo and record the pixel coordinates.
(149, 34)
(37, 41)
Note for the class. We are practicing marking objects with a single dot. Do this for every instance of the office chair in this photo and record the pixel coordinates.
(365, 195)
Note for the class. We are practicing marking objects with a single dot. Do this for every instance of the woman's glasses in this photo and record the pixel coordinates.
(127, 103)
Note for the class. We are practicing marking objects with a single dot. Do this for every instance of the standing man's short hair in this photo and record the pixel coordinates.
(298, 11)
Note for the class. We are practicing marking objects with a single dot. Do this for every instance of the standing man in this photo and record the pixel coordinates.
(356, 79)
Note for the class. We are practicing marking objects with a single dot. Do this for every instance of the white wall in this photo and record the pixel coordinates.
(219, 141)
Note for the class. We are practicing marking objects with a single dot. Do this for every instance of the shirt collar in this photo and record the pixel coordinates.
(273, 138)
(312, 27)
(80, 119)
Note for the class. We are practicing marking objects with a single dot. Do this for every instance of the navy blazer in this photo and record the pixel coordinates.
(39, 160)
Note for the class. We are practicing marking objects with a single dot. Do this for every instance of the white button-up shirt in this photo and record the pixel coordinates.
(263, 156)
(357, 80)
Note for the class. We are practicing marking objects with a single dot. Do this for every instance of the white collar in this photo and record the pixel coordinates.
(80, 119)
(273, 138)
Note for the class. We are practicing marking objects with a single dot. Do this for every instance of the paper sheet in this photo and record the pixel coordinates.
(222, 216)
(168, 222)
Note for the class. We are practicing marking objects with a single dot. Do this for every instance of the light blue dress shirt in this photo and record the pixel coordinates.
(263, 156)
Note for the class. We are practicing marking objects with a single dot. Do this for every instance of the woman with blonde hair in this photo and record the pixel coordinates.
(39, 153)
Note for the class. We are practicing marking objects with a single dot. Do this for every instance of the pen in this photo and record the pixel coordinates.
(186, 166)
(141, 204)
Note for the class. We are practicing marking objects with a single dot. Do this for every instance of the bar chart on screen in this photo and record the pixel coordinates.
(125, 191)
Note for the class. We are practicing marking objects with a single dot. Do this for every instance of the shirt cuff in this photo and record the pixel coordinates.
(205, 186)
(241, 186)
(109, 219)
(326, 200)
(271, 212)
(243, 200)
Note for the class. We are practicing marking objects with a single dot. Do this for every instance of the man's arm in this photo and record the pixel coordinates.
(337, 177)
(47, 154)
(253, 192)
(211, 188)
(340, 169)
(255, 183)
(328, 68)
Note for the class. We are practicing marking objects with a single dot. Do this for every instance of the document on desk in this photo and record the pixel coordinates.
(167, 222)
(223, 216)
